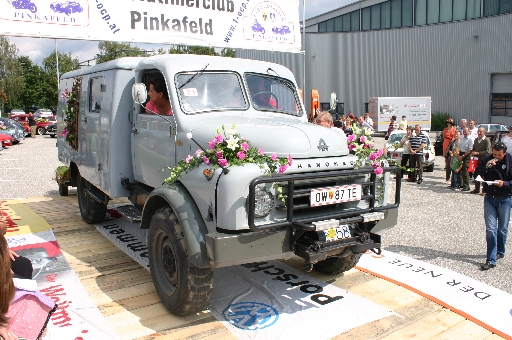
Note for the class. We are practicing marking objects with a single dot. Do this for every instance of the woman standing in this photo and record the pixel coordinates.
(406, 155)
(448, 153)
(448, 136)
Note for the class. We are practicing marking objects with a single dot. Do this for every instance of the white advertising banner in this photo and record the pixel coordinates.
(251, 24)
(486, 306)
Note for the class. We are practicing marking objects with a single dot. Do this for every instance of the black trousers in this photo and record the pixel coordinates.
(405, 159)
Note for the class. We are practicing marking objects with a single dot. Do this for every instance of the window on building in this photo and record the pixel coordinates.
(354, 21)
(421, 13)
(385, 15)
(432, 11)
(491, 7)
(365, 17)
(96, 89)
(338, 24)
(375, 17)
(445, 10)
(330, 25)
(407, 13)
(396, 13)
(473, 9)
(322, 27)
(505, 6)
(346, 22)
(501, 104)
(459, 10)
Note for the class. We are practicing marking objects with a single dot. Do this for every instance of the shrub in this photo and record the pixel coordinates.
(439, 120)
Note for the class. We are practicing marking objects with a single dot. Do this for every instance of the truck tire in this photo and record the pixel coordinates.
(41, 131)
(336, 265)
(182, 287)
(63, 189)
(90, 210)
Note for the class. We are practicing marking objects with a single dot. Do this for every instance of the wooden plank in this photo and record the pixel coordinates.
(465, 330)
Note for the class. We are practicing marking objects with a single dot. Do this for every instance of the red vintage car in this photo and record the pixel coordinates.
(5, 140)
(23, 120)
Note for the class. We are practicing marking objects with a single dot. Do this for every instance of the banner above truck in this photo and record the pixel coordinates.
(251, 24)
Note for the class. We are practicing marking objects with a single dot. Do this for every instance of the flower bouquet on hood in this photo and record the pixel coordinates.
(361, 145)
(227, 149)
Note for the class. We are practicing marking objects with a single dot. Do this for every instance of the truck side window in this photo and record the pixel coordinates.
(95, 94)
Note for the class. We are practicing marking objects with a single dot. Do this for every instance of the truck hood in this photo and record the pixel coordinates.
(284, 136)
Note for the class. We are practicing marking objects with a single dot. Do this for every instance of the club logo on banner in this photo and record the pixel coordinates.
(250, 315)
(251, 24)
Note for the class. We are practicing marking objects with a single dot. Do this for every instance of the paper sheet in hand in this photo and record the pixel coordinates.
(480, 179)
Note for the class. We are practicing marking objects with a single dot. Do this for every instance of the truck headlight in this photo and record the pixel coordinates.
(263, 201)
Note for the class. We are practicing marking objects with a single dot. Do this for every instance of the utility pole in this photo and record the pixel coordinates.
(57, 57)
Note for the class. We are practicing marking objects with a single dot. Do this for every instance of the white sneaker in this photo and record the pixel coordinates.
(456, 189)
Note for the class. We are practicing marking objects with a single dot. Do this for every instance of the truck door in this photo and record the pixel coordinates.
(153, 146)
(89, 137)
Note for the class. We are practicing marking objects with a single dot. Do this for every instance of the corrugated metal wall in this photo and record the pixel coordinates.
(451, 62)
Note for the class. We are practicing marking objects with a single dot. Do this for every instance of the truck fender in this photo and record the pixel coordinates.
(181, 202)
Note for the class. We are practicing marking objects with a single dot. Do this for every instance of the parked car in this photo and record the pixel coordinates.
(16, 112)
(8, 129)
(16, 128)
(51, 130)
(23, 120)
(395, 154)
(493, 130)
(5, 140)
(43, 113)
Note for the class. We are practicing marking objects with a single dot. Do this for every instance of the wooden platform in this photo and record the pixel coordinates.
(124, 292)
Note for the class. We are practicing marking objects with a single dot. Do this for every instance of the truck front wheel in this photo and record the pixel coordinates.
(182, 287)
(336, 265)
(91, 210)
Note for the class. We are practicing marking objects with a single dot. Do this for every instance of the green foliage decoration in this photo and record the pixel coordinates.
(439, 120)
(71, 112)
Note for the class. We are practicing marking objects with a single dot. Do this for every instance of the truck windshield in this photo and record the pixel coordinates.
(272, 94)
(212, 91)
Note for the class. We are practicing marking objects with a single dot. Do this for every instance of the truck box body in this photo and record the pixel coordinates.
(415, 109)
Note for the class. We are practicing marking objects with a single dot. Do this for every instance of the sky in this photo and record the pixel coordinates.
(39, 48)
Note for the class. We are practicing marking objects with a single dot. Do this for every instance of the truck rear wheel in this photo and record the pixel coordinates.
(91, 210)
(63, 189)
(336, 265)
(182, 287)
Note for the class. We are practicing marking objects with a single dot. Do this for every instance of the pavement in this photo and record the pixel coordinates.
(435, 224)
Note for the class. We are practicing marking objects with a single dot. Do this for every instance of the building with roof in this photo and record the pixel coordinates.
(459, 52)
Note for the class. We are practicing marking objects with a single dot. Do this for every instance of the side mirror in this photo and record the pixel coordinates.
(139, 93)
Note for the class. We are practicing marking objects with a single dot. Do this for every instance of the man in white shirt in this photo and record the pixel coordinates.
(463, 124)
(473, 130)
(368, 120)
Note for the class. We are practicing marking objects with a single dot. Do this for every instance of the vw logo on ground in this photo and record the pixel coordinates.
(250, 315)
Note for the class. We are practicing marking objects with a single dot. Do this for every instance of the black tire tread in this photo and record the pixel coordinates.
(336, 265)
(63, 189)
(194, 295)
(95, 212)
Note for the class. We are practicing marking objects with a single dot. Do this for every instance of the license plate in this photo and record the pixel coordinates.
(333, 195)
(338, 233)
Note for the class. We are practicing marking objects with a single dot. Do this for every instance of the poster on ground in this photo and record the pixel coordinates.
(250, 24)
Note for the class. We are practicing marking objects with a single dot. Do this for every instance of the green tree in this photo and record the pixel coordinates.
(10, 72)
(227, 52)
(66, 63)
(39, 88)
(110, 50)
(183, 49)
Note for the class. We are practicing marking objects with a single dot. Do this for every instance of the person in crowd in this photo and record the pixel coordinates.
(368, 120)
(466, 147)
(32, 123)
(463, 124)
(363, 124)
(402, 125)
(418, 141)
(348, 125)
(448, 136)
(448, 154)
(473, 130)
(481, 148)
(507, 139)
(497, 168)
(393, 125)
(324, 119)
(456, 168)
(158, 97)
(406, 154)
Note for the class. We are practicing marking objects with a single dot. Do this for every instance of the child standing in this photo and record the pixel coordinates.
(456, 167)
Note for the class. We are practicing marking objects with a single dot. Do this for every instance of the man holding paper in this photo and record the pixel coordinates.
(495, 171)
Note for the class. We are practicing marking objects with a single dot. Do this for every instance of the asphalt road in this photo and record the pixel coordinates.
(435, 224)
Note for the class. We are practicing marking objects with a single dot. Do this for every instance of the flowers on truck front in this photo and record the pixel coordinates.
(227, 149)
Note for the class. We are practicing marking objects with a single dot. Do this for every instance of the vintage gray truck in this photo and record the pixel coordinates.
(327, 212)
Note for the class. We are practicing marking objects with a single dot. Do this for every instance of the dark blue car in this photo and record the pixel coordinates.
(67, 8)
